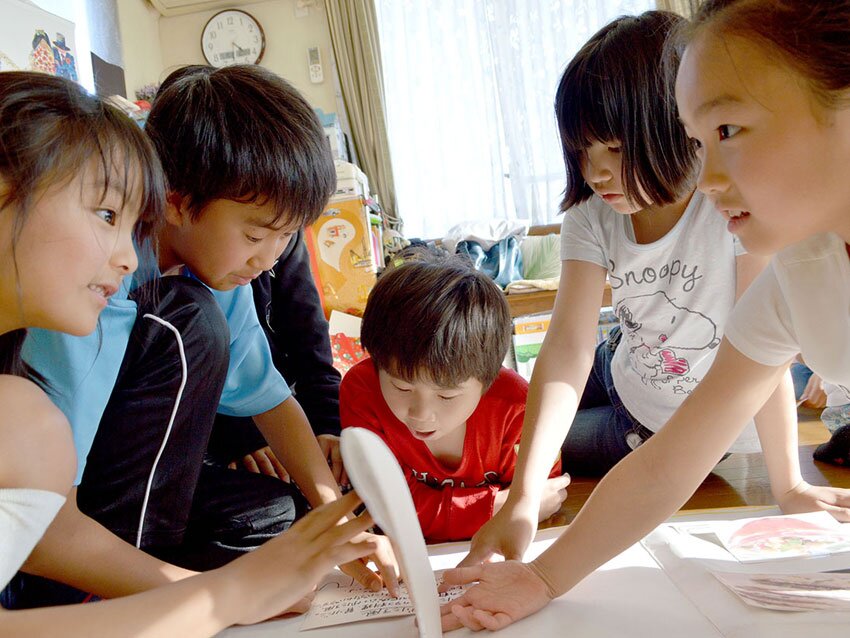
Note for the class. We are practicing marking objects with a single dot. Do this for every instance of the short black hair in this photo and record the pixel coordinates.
(436, 317)
(618, 87)
(241, 133)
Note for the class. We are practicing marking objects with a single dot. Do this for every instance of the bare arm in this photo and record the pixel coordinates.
(291, 438)
(560, 374)
(654, 481)
(80, 552)
(777, 427)
(254, 587)
(640, 492)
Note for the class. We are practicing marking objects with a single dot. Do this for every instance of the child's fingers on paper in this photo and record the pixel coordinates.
(465, 614)
(360, 572)
(461, 575)
(838, 512)
(301, 606)
(389, 574)
(492, 620)
(448, 620)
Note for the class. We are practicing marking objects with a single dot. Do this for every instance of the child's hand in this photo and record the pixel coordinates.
(813, 395)
(505, 593)
(263, 461)
(383, 557)
(508, 533)
(330, 448)
(278, 575)
(554, 494)
(813, 498)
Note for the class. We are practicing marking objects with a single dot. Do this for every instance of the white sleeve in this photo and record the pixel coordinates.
(581, 238)
(24, 516)
(760, 326)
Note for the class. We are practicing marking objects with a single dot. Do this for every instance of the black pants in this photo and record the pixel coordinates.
(146, 478)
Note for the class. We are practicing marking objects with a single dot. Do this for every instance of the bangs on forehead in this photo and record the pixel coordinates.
(591, 113)
(448, 377)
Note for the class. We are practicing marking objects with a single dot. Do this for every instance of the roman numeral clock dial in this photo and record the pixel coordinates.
(233, 37)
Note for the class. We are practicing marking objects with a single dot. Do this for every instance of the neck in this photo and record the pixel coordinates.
(168, 256)
(653, 222)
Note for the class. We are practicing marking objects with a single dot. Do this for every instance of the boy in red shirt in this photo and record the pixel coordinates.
(435, 391)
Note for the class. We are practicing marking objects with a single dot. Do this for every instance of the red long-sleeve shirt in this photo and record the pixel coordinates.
(450, 504)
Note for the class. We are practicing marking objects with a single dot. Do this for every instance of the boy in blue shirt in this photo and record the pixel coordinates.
(247, 166)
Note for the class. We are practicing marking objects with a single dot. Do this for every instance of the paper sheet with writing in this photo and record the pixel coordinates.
(341, 600)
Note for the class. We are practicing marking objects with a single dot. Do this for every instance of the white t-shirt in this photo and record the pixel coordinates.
(800, 303)
(672, 298)
(24, 516)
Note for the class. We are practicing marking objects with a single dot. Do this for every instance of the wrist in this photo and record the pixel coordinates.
(792, 487)
(539, 569)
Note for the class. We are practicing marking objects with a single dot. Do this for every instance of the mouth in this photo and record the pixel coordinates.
(103, 290)
(610, 197)
(243, 280)
(736, 218)
(423, 435)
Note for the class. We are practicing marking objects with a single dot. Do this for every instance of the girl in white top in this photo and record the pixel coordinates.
(674, 270)
(763, 88)
(78, 181)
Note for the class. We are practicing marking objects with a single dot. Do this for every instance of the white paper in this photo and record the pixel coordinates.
(341, 600)
(791, 592)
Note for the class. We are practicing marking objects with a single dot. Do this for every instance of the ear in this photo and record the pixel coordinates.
(176, 209)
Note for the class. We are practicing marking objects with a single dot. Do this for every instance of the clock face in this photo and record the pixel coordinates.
(233, 37)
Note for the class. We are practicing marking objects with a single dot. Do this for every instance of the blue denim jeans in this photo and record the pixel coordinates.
(603, 431)
(800, 373)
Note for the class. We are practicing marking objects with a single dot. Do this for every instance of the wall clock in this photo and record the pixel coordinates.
(233, 37)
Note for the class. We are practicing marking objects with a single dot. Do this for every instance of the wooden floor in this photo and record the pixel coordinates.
(739, 480)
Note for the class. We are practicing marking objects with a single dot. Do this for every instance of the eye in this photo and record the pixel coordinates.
(725, 131)
(107, 215)
(400, 389)
(614, 149)
(444, 398)
(253, 240)
(695, 143)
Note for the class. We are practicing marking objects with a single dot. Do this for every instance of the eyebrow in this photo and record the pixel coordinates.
(264, 223)
(721, 100)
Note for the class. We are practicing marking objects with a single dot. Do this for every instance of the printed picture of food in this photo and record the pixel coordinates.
(785, 536)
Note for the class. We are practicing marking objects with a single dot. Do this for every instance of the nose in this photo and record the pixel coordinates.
(268, 252)
(712, 176)
(124, 257)
(417, 410)
(595, 167)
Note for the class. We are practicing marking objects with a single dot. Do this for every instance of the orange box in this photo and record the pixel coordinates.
(341, 256)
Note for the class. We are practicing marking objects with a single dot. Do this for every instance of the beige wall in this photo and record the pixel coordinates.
(155, 45)
(139, 25)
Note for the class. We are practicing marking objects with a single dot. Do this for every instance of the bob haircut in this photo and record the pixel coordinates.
(437, 319)
(245, 134)
(616, 88)
(50, 130)
(810, 36)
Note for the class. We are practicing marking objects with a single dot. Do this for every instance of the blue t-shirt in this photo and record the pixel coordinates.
(82, 371)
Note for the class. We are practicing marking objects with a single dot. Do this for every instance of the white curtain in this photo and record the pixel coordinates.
(470, 88)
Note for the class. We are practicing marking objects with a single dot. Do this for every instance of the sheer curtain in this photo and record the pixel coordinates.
(469, 88)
